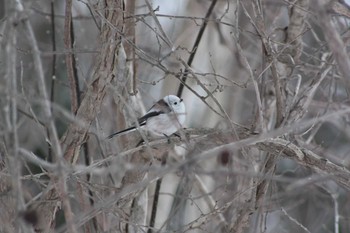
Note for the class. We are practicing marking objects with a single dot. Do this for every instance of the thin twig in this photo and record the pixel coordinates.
(164, 36)
(255, 84)
(195, 46)
(335, 42)
(62, 186)
(91, 13)
(295, 221)
(260, 28)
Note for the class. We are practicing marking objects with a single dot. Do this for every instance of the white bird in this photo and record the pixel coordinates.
(163, 119)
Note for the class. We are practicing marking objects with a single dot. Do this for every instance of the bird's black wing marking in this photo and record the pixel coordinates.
(142, 120)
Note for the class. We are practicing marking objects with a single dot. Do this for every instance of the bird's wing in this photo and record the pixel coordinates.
(158, 108)
(142, 120)
(161, 107)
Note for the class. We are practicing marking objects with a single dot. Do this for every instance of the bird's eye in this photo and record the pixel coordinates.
(175, 103)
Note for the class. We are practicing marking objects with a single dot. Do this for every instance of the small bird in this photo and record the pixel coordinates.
(163, 119)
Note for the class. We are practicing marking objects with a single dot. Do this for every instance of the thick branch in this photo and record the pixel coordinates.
(102, 76)
(68, 43)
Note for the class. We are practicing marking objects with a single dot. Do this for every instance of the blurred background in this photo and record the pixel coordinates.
(251, 55)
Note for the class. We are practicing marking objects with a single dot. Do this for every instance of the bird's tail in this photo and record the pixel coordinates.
(122, 132)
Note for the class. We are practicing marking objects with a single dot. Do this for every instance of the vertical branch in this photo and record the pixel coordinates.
(75, 92)
(336, 212)
(259, 26)
(88, 179)
(13, 159)
(130, 35)
(70, 60)
(53, 41)
(103, 74)
(271, 159)
(155, 200)
(334, 41)
(53, 72)
(255, 84)
(297, 15)
(268, 168)
(42, 88)
(61, 186)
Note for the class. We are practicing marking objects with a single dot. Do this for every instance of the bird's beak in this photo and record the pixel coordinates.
(181, 100)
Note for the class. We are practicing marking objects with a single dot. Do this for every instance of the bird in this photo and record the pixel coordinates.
(164, 118)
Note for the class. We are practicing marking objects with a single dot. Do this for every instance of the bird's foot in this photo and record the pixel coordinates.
(140, 143)
(167, 137)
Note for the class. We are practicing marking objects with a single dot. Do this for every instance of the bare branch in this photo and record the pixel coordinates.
(335, 43)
